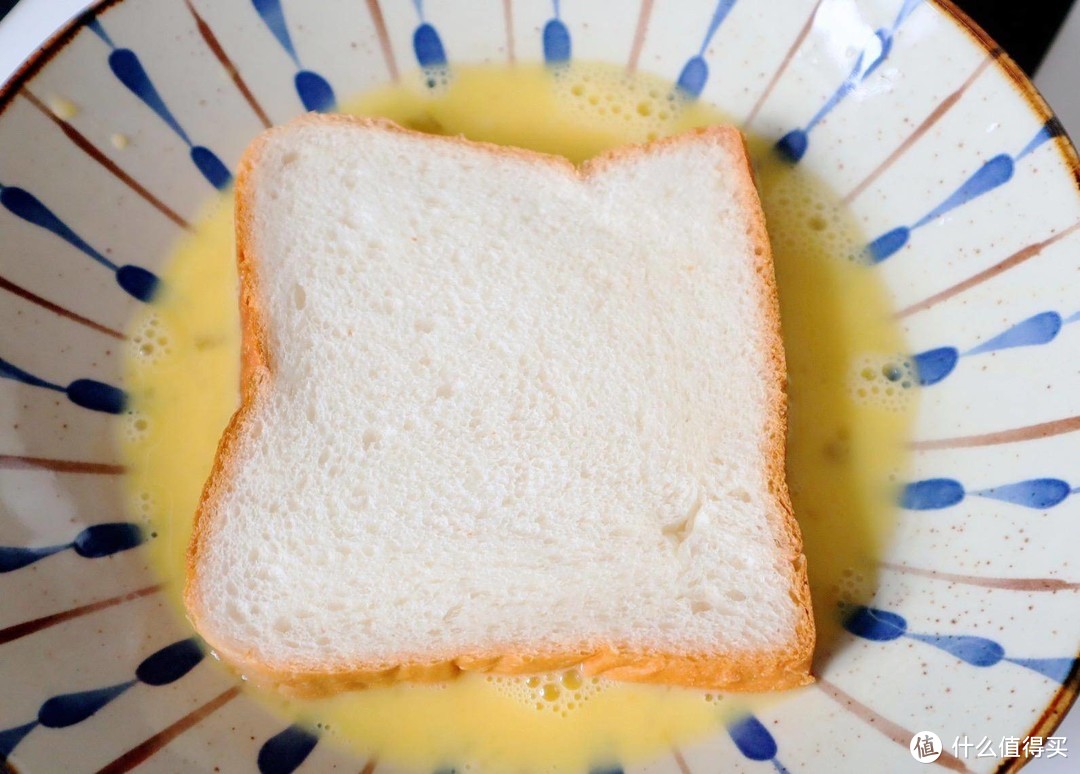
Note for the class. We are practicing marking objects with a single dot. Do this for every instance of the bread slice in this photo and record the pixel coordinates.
(502, 414)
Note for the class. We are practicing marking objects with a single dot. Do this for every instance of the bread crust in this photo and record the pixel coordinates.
(783, 668)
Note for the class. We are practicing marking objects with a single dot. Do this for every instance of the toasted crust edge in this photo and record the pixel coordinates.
(783, 668)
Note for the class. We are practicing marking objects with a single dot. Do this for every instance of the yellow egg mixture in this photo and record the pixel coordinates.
(850, 411)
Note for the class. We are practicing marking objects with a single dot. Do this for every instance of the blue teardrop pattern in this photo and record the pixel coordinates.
(937, 494)
(873, 624)
(284, 752)
(1032, 332)
(977, 651)
(1057, 669)
(884, 626)
(607, 770)
(932, 494)
(71, 708)
(15, 557)
(793, 145)
(556, 38)
(10, 739)
(135, 281)
(934, 365)
(315, 92)
(102, 540)
(990, 176)
(95, 542)
(87, 393)
(170, 663)
(695, 73)
(752, 738)
(138, 282)
(97, 396)
(1051, 130)
(162, 667)
(16, 374)
(428, 48)
(129, 70)
(1039, 493)
(274, 19)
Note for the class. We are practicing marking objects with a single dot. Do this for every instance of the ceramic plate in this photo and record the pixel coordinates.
(949, 160)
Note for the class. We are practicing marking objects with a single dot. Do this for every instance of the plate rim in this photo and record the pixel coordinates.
(1067, 695)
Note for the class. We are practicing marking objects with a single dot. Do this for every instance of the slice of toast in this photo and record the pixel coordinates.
(502, 414)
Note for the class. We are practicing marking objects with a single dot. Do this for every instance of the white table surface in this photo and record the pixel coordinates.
(33, 21)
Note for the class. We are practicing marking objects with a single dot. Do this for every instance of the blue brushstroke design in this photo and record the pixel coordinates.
(10, 739)
(170, 663)
(9, 371)
(695, 73)
(884, 626)
(873, 624)
(793, 145)
(939, 493)
(1039, 493)
(274, 18)
(138, 282)
(932, 494)
(994, 173)
(991, 175)
(692, 79)
(129, 70)
(428, 47)
(88, 393)
(162, 667)
(25, 205)
(934, 365)
(607, 770)
(556, 39)
(71, 708)
(1051, 129)
(753, 739)
(977, 651)
(315, 93)
(102, 540)
(284, 752)
(97, 29)
(97, 396)
(15, 557)
(1057, 669)
(888, 244)
(211, 167)
(135, 281)
(1036, 330)
(95, 542)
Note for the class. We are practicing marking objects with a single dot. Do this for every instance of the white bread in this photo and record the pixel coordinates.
(501, 414)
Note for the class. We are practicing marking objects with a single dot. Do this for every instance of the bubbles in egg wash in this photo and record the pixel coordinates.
(883, 381)
(560, 692)
(149, 342)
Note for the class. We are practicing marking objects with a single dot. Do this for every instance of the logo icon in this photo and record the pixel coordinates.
(925, 747)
